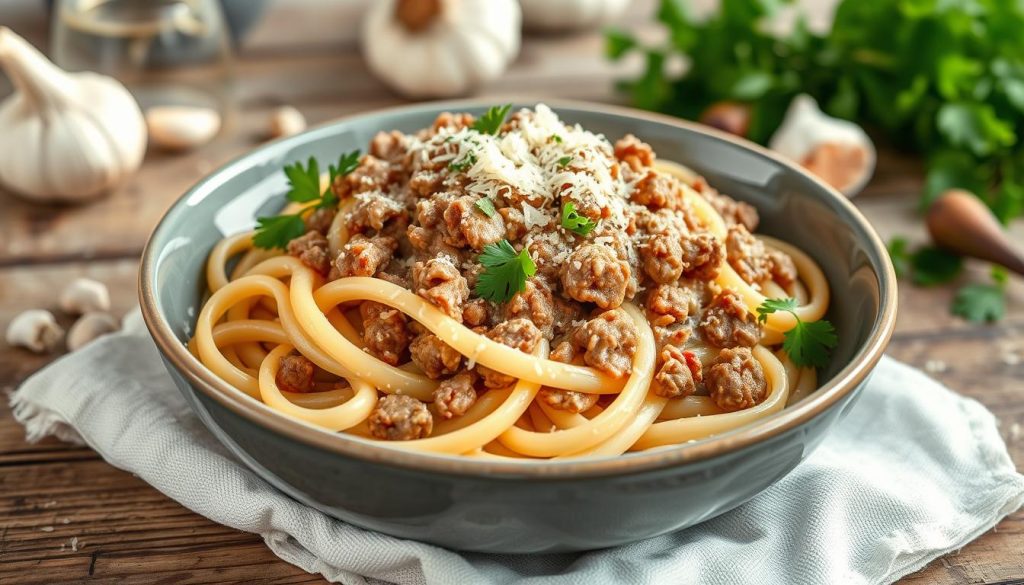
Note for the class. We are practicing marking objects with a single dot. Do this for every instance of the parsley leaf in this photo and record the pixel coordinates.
(303, 187)
(574, 222)
(303, 182)
(934, 266)
(276, 231)
(808, 343)
(564, 161)
(505, 272)
(493, 118)
(982, 302)
(899, 255)
(486, 206)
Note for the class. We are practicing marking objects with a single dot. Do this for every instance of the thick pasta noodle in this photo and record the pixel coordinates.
(274, 317)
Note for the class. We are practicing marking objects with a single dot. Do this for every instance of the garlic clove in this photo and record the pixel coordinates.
(36, 330)
(66, 136)
(181, 128)
(285, 121)
(84, 295)
(89, 327)
(838, 151)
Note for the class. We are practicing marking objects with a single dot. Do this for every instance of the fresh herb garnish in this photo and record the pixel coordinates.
(564, 161)
(808, 343)
(932, 266)
(574, 222)
(493, 118)
(303, 187)
(486, 206)
(982, 302)
(556, 138)
(505, 272)
(464, 164)
(899, 255)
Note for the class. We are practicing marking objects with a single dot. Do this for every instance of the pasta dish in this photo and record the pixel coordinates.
(513, 286)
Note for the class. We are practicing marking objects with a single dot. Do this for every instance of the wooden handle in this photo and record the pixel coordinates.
(961, 223)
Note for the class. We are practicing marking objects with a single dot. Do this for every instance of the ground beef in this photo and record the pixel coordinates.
(425, 183)
(728, 323)
(476, 312)
(782, 268)
(534, 303)
(747, 255)
(467, 224)
(371, 211)
(439, 281)
(384, 331)
(736, 380)
(312, 250)
(321, 219)
(732, 211)
(662, 221)
(657, 191)
(372, 174)
(662, 258)
(702, 256)
(452, 122)
(295, 374)
(520, 334)
(400, 418)
(390, 146)
(363, 256)
(436, 358)
(634, 152)
(609, 342)
(515, 223)
(454, 396)
(668, 303)
(679, 374)
(568, 400)
(593, 274)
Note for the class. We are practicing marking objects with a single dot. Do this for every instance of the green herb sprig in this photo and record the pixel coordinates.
(574, 222)
(491, 121)
(303, 187)
(982, 303)
(505, 272)
(808, 344)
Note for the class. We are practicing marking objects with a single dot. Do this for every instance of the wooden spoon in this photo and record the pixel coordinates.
(961, 223)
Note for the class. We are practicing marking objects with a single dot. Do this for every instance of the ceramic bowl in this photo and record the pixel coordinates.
(511, 507)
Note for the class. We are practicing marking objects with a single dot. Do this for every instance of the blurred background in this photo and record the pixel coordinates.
(903, 101)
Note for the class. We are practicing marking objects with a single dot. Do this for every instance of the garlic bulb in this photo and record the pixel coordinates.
(66, 136)
(550, 15)
(838, 151)
(436, 48)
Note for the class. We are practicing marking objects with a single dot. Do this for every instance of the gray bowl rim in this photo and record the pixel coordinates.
(847, 380)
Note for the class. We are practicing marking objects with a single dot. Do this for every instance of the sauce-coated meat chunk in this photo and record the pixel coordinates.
(736, 380)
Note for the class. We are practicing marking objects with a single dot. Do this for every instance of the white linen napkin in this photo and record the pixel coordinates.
(913, 472)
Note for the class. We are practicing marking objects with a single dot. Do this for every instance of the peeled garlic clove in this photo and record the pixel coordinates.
(285, 121)
(181, 127)
(84, 295)
(837, 151)
(89, 327)
(35, 329)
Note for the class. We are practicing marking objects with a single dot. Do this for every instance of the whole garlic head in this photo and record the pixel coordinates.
(837, 151)
(437, 48)
(552, 15)
(66, 136)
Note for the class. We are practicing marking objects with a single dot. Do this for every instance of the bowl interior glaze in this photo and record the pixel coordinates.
(794, 206)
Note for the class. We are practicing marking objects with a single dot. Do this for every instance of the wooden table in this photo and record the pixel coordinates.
(66, 515)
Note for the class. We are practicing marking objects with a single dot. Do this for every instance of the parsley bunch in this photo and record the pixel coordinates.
(303, 187)
(807, 344)
(943, 77)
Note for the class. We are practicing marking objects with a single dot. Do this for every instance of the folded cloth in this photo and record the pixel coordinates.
(913, 472)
